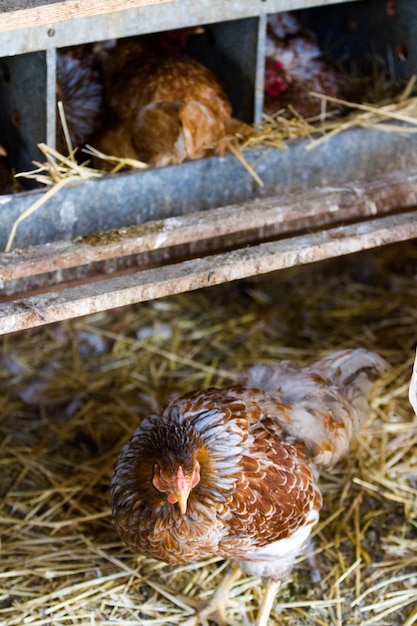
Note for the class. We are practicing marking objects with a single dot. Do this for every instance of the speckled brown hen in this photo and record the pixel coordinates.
(88, 71)
(164, 109)
(232, 472)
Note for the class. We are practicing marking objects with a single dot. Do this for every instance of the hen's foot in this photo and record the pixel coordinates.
(215, 609)
(271, 589)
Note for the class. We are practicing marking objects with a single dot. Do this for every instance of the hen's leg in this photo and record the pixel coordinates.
(215, 609)
(271, 589)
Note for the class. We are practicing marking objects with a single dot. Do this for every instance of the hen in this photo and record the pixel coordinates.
(164, 109)
(295, 66)
(85, 73)
(232, 472)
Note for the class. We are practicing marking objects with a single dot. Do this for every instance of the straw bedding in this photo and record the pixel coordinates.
(72, 393)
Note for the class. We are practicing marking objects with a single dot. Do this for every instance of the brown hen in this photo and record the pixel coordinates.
(163, 110)
(232, 472)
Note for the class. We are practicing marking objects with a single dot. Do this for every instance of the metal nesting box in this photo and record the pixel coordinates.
(295, 179)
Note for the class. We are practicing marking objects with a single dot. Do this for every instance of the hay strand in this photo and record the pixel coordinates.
(56, 172)
(120, 163)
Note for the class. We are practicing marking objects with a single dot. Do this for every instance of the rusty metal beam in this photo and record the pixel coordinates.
(255, 220)
(212, 270)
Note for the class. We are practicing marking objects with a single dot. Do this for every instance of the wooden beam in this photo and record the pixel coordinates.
(204, 272)
(26, 14)
(264, 217)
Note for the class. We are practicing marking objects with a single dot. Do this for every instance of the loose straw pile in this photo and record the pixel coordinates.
(58, 171)
(72, 394)
(277, 130)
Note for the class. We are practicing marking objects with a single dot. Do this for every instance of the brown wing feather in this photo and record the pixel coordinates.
(275, 491)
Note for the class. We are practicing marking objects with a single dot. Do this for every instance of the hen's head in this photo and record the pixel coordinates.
(179, 464)
(177, 470)
(160, 466)
(157, 134)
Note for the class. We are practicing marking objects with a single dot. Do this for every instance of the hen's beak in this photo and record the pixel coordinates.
(183, 486)
(181, 490)
(182, 499)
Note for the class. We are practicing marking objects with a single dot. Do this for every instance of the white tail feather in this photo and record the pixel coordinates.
(327, 401)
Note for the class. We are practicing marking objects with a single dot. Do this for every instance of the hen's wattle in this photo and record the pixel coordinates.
(295, 67)
(249, 457)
